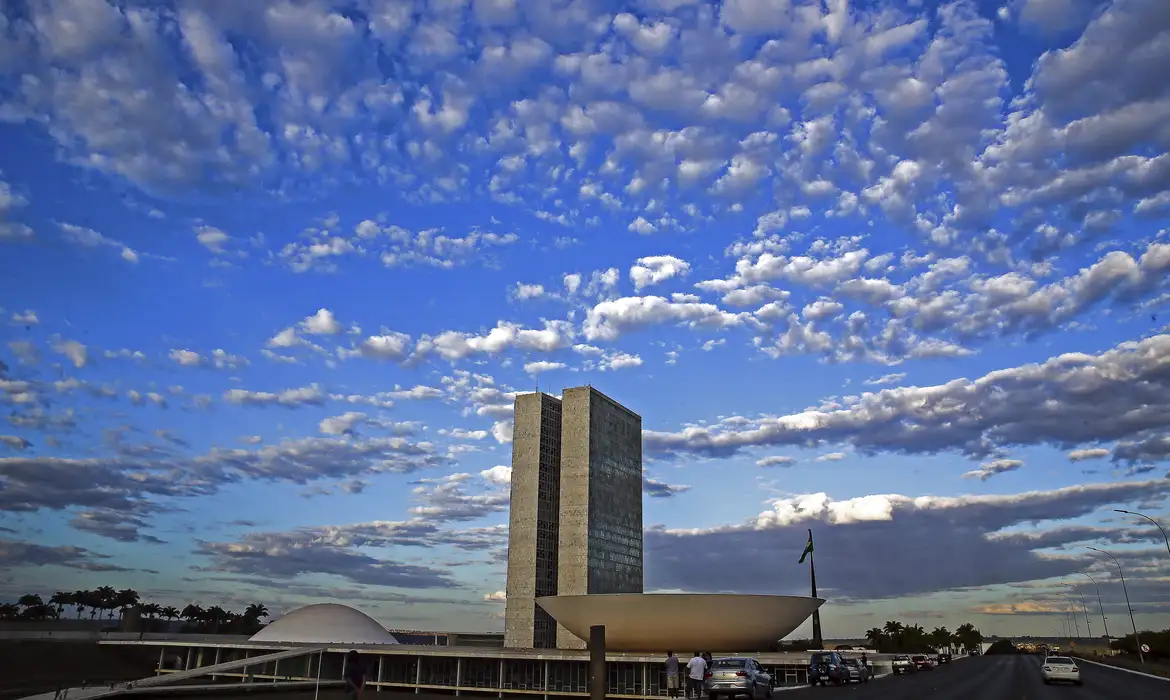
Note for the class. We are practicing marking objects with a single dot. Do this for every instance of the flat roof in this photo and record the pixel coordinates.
(466, 651)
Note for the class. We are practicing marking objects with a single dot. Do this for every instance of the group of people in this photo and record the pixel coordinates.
(695, 670)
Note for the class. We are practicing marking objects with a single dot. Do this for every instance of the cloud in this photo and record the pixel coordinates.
(219, 359)
(657, 269)
(848, 532)
(498, 475)
(1065, 401)
(1090, 453)
(73, 350)
(655, 488)
(211, 238)
(993, 468)
(14, 553)
(14, 442)
(138, 479)
(776, 461)
(311, 395)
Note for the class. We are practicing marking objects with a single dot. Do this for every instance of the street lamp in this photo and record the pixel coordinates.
(1072, 612)
(1088, 625)
(1155, 522)
(1100, 605)
(1136, 640)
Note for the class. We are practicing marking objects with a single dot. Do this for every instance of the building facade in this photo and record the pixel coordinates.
(576, 508)
(532, 521)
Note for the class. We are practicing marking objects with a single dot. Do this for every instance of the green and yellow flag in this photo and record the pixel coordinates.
(808, 548)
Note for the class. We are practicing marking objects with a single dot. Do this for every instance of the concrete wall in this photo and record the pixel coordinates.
(519, 612)
(573, 540)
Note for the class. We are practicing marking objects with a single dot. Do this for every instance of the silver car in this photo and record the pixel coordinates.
(737, 675)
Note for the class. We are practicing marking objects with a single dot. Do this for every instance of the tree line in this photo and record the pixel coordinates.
(106, 600)
(895, 637)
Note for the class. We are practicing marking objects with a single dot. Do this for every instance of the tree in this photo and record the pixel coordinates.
(29, 600)
(151, 610)
(81, 601)
(968, 636)
(8, 611)
(59, 600)
(255, 612)
(170, 612)
(940, 638)
(125, 598)
(107, 599)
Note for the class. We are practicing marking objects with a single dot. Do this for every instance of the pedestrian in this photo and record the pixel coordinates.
(355, 676)
(671, 675)
(696, 669)
(864, 661)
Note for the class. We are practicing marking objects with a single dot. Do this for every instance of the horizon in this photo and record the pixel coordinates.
(899, 272)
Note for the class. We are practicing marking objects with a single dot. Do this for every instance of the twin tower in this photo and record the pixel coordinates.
(575, 525)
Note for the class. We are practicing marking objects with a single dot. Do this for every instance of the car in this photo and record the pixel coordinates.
(944, 658)
(737, 675)
(856, 671)
(825, 667)
(922, 662)
(1061, 668)
(903, 664)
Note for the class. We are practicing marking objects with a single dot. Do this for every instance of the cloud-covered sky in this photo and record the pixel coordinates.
(272, 274)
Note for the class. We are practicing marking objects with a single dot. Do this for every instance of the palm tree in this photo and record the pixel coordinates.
(81, 601)
(30, 600)
(217, 614)
(940, 638)
(109, 599)
(968, 636)
(877, 638)
(8, 611)
(255, 612)
(125, 598)
(193, 613)
(151, 610)
(59, 600)
(170, 612)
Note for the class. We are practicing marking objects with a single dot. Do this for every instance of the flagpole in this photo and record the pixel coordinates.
(818, 641)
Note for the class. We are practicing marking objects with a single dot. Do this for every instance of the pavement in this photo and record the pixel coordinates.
(1014, 677)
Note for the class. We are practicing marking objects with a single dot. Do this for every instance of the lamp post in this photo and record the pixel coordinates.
(1100, 605)
(1072, 612)
(1136, 640)
(1155, 522)
(1088, 625)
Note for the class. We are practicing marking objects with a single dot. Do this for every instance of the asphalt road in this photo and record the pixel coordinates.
(994, 678)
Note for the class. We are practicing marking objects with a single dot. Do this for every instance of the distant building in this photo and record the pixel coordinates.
(576, 508)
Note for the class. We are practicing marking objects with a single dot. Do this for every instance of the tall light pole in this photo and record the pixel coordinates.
(1155, 522)
(1072, 612)
(1136, 640)
(1088, 625)
(1100, 605)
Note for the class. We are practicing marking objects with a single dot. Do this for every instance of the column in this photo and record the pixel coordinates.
(381, 662)
(458, 675)
(417, 674)
(500, 679)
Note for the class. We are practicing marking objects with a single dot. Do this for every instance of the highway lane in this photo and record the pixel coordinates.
(1014, 677)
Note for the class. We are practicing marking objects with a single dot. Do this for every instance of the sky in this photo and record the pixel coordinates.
(272, 274)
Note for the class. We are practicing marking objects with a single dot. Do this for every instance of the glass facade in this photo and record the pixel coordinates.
(615, 498)
(547, 516)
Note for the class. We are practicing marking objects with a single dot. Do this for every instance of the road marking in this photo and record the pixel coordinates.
(1126, 670)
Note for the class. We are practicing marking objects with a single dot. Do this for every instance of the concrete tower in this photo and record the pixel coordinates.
(576, 508)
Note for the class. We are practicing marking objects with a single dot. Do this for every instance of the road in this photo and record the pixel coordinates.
(995, 678)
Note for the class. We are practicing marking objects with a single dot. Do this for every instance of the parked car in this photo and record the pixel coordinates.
(922, 662)
(903, 664)
(856, 671)
(737, 675)
(825, 667)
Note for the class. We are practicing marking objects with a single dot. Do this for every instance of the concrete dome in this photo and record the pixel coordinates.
(717, 622)
(325, 623)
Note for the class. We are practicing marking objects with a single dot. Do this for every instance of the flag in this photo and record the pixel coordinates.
(808, 548)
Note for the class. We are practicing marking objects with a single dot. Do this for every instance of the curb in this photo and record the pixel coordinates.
(1124, 670)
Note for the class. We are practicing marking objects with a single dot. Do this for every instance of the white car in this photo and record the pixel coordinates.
(1061, 668)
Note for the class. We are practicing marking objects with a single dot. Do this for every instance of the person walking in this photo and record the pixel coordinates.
(672, 679)
(696, 668)
(355, 676)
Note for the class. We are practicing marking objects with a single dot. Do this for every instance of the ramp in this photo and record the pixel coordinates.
(160, 682)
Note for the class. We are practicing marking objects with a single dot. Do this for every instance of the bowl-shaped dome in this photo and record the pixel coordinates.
(325, 623)
(683, 622)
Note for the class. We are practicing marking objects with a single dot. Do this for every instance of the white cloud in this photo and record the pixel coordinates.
(498, 475)
(993, 468)
(657, 269)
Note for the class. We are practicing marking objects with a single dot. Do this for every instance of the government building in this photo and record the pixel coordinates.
(575, 525)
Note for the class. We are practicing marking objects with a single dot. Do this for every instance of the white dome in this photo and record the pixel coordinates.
(325, 623)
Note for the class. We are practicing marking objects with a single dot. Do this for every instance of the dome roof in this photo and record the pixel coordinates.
(717, 622)
(325, 623)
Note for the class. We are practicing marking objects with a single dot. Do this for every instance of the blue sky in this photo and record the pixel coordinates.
(273, 274)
